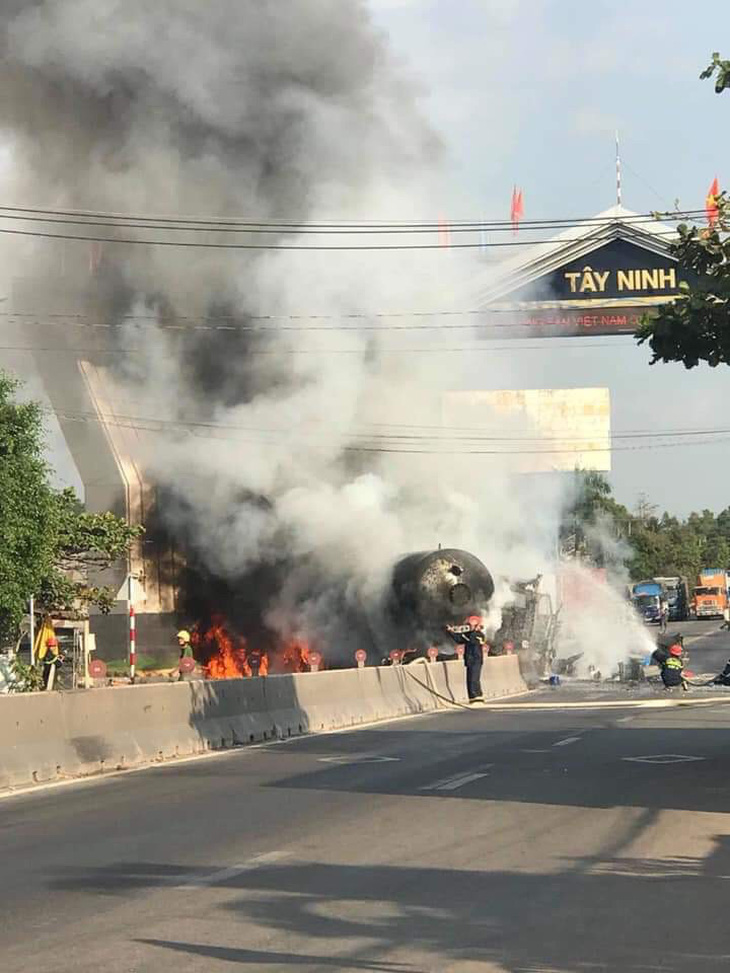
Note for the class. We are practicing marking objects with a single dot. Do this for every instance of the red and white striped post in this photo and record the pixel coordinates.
(132, 631)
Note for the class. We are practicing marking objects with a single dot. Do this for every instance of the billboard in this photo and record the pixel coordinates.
(604, 289)
(534, 430)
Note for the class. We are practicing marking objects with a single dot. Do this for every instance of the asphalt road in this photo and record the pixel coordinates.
(528, 840)
(707, 644)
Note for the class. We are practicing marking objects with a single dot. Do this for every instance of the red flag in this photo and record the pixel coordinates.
(444, 233)
(95, 254)
(517, 210)
(711, 207)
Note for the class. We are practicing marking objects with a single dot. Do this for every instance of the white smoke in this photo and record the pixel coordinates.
(599, 624)
(292, 111)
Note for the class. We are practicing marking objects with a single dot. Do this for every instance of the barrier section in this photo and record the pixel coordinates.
(501, 676)
(48, 736)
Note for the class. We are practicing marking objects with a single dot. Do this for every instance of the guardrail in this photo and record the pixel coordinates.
(50, 736)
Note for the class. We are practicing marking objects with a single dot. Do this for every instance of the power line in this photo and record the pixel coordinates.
(305, 229)
(117, 218)
(203, 245)
(580, 345)
(415, 451)
(448, 432)
(236, 324)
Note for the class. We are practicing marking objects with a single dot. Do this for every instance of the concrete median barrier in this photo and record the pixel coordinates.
(51, 736)
(501, 676)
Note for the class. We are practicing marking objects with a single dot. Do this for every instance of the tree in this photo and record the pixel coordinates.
(27, 508)
(696, 326)
(48, 544)
(593, 521)
(721, 69)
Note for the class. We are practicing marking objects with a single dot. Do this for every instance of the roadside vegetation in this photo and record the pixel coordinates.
(696, 327)
(48, 544)
(650, 544)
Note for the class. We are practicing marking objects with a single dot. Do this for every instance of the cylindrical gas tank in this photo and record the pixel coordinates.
(437, 588)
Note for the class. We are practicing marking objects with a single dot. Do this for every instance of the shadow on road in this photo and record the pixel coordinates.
(612, 913)
(604, 771)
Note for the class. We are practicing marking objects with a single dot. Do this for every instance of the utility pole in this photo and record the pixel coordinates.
(31, 611)
(132, 629)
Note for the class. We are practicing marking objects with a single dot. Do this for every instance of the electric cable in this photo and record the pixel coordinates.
(209, 430)
(208, 245)
(348, 225)
(274, 352)
(447, 431)
(305, 229)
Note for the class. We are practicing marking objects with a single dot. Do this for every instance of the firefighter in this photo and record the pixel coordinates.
(51, 657)
(663, 614)
(473, 641)
(186, 649)
(671, 668)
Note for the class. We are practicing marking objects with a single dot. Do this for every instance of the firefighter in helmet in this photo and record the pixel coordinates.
(50, 656)
(671, 668)
(186, 648)
(473, 641)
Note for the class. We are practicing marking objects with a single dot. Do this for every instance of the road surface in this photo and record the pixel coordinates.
(550, 840)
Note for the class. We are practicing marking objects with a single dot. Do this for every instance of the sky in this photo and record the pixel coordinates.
(531, 92)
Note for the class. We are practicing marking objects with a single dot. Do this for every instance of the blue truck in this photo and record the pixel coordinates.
(645, 597)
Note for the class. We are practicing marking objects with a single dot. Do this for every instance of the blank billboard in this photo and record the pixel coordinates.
(533, 430)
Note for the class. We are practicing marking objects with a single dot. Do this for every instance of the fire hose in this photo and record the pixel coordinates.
(430, 689)
(702, 685)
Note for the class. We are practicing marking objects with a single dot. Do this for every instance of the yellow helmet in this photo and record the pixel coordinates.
(183, 635)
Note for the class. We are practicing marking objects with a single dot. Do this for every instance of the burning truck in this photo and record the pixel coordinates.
(429, 590)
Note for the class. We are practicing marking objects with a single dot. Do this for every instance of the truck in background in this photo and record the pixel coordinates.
(645, 597)
(677, 597)
(710, 595)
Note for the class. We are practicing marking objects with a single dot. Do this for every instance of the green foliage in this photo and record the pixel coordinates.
(593, 522)
(720, 68)
(145, 663)
(696, 326)
(47, 543)
(28, 679)
(597, 528)
(27, 509)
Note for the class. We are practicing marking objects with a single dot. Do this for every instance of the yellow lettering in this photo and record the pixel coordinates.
(625, 280)
(668, 278)
(586, 281)
(649, 279)
(572, 278)
(601, 279)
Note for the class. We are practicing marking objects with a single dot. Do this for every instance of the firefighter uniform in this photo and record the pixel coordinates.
(672, 668)
(473, 642)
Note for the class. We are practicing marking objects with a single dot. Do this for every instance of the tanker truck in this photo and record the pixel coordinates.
(433, 589)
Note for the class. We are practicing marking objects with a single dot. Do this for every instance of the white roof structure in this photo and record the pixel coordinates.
(587, 236)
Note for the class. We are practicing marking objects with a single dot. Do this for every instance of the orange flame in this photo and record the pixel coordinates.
(295, 657)
(225, 655)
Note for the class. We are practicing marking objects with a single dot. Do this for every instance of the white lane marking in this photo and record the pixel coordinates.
(194, 880)
(455, 782)
(566, 742)
(606, 704)
(534, 751)
(358, 758)
(663, 758)
(626, 719)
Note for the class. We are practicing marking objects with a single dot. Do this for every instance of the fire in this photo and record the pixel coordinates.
(227, 655)
(295, 657)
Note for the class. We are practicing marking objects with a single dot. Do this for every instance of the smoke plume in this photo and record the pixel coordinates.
(280, 443)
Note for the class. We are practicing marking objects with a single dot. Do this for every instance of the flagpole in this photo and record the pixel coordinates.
(618, 171)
